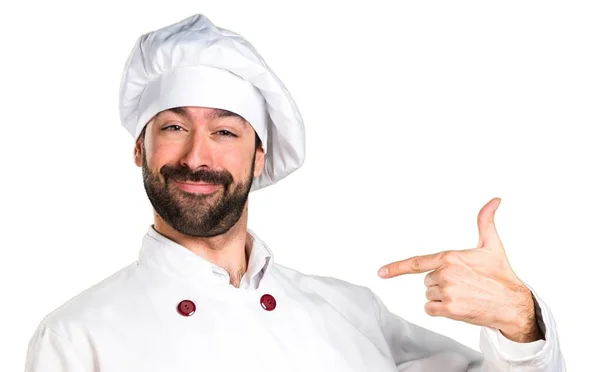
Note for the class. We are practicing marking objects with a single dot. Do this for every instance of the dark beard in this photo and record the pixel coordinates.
(200, 215)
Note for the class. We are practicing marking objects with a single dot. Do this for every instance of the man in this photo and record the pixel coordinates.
(211, 123)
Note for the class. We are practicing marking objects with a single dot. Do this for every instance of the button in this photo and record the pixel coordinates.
(186, 308)
(268, 302)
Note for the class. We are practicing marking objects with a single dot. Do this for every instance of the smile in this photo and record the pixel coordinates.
(197, 187)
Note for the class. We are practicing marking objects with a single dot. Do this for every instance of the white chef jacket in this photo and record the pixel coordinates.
(130, 322)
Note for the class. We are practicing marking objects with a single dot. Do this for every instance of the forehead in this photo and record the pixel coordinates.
(208, 113)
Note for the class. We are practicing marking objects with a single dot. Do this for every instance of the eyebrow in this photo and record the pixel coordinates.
(214, 113)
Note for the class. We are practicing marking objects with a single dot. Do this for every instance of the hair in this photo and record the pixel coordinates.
(257, 141)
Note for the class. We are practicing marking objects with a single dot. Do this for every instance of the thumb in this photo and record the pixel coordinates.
(488, 236)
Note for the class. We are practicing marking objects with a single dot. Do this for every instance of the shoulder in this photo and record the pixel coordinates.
(69, 334)
(108, 296)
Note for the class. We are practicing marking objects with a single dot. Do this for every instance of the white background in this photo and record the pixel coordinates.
(416, 115)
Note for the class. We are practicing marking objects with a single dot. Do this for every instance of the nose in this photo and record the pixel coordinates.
(198, 152)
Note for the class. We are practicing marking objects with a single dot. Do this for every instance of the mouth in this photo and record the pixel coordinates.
(197, 187)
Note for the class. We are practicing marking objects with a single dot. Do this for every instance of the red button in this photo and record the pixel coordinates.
(268, 302)
(186, 308)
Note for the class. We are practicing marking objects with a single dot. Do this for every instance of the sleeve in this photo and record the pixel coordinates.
(48, 352)
(415, 348)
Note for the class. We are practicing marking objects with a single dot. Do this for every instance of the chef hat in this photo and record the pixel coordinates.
(195, 63)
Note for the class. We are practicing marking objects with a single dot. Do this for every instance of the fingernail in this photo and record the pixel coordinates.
(383, 272)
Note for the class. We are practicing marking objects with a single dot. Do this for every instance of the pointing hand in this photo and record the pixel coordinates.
(476, 285)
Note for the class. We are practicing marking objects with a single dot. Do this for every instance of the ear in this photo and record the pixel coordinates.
(137, 151)
(259, 162)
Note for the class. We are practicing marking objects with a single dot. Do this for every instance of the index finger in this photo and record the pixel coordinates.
(413, 265)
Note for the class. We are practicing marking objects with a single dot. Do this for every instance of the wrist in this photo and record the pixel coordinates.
(526, 330)
(521, 323)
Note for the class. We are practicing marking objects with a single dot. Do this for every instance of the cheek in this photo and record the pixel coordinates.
(157, 155)
(235, 162)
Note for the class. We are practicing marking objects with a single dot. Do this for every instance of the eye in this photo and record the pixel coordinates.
(226, 133)
(171, 126)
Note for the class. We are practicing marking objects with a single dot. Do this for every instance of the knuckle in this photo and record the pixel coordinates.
(427, 308)
(447, 293)
(428, 279)
(430, 309)
(444, 277)
(415, 264)
(482, 220)
(450, 257)
(429, 293)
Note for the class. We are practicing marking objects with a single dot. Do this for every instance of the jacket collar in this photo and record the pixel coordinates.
(163, 254)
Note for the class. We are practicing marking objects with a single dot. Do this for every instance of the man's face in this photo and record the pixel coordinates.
(198, 165)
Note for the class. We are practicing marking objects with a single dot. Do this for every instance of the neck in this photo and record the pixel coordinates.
(229, 251)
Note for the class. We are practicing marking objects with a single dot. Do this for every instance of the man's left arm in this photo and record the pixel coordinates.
(479, 287)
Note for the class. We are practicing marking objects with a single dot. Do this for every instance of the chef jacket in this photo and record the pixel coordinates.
(172, 310)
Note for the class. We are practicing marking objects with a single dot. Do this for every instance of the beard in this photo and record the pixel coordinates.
(196, 214)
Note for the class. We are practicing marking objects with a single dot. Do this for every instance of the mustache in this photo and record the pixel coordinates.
(184, 174)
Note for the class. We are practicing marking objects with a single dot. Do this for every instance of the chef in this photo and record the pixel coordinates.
(212, 123)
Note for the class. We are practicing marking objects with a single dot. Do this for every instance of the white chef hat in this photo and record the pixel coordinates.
(195, 63)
